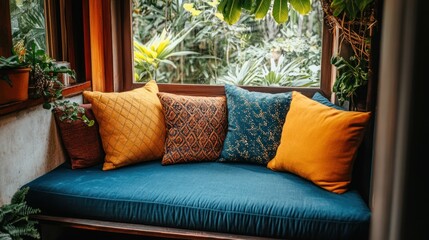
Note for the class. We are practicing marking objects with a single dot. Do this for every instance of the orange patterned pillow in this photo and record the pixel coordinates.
(319, 143)
(131, 125)
(196, 127)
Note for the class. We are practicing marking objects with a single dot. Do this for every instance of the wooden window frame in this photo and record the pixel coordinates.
(55, 49)
(109, 55)
(326, 77)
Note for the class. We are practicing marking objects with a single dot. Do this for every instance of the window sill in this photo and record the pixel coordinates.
(219, 90)
(67, 92)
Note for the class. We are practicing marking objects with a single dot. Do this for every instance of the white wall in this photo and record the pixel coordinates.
(29, 147)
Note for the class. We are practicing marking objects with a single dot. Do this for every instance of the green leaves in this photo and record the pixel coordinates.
(247, 4)
(280, 11)
(301, 6)
(71, 111)
(261, 8)
(15, 220)
(337, 7)
(352, 74)
(12, 62)
(362, 4)
(148, 56)
(350, 7)
(232, 9)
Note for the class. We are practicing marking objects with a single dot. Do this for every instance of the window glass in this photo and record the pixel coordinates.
(28, 22)
(177, 41)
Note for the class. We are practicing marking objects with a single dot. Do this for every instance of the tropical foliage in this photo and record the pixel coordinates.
(352, 75)
(232, 9)
(351, 9)
(225, 50)
(28, 22)
(157, 50)
(356, 23)
(15, 222)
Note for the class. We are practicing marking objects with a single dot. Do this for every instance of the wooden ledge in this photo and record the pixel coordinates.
(219, 90)
(67, 92)
(138, 229)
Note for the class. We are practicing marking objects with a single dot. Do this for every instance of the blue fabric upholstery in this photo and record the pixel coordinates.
(255, 122)
(235, 198)
(323, 100)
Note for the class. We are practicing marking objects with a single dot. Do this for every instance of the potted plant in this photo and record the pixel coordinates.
(40, 81)
(14, 76)
(44, 83)
(44, 75)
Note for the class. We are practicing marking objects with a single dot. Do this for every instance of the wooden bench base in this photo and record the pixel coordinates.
(53, 227)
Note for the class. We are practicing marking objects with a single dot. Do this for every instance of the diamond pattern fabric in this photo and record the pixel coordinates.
(131, 123)
(195, 127)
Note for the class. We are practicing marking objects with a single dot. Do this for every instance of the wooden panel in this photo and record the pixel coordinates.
(212, 90)
(326, 66)
(127, 43)
(86, 40)
(116, 49)
(5, 29)
(51, 15)
(107, 45)
(64, 24)
(97, 45)
(76, 89)
(138, 229)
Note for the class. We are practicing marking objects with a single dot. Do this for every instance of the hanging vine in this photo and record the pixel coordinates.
(355, 20)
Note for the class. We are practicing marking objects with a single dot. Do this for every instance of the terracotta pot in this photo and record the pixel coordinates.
(19, 89)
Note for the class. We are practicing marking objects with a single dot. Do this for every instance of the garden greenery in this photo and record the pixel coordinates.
(227, 51)
(15, 222)
(28, 22)
(232, 9)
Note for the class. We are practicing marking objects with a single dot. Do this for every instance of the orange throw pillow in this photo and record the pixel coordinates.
(131, 123)
(319, 143)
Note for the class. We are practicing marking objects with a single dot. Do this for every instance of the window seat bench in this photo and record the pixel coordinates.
(208, 200)
(217, 199)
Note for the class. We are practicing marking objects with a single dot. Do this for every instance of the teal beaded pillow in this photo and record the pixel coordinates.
(323, 100)
(255, 122)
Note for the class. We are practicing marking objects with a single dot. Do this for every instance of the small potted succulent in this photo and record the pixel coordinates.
(14, 76)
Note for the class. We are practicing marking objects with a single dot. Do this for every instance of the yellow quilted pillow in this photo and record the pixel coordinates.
(319, 143)
(131, 125)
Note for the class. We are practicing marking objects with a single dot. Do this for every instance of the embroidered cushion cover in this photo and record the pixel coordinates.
(132, 127)
(255, 122)
(195, 127)
(319, 143)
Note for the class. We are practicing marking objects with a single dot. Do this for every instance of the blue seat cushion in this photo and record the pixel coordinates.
(239, 198)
